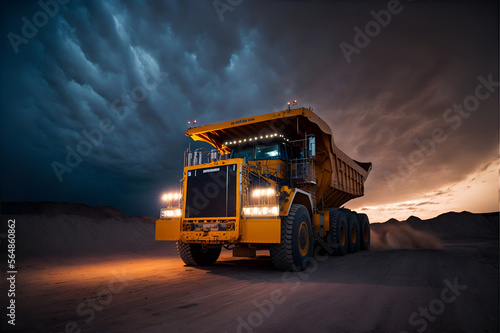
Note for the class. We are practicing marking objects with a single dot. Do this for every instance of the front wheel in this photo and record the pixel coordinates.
(197, 254)
(296, 246)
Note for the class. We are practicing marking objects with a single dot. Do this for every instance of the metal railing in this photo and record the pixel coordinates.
(302, 171)
(202, 156)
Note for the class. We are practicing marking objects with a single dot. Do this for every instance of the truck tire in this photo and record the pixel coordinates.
(336, 239)
(296, 247)
(353, 239)
(364, 231)
(196, 255)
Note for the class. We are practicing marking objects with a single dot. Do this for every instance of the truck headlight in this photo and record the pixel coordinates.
(253, 211)
(170, 213)
(263, 192)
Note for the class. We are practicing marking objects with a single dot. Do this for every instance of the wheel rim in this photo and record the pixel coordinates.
(342, 235)
(353, 234)
(303, 239)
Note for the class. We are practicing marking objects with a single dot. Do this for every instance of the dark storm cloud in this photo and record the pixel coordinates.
(94, 55)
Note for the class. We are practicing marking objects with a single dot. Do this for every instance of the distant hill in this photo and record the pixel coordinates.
(453, 225)
(49, 228)
(60, 208)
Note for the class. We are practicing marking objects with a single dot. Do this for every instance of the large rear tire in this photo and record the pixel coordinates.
(197, 255)
(353, 235)
(336, 238)
(296, 247)
(364, 228)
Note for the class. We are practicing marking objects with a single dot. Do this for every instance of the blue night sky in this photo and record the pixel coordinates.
(96, 95)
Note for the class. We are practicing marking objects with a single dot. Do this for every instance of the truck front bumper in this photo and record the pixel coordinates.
(247, 231)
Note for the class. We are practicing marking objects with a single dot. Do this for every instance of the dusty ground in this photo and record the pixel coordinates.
(374, 291)
(94, 269)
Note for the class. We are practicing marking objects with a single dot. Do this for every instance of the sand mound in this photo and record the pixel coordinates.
(48, 229)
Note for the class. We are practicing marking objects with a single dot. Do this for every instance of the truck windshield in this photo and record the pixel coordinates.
(243, 153)
(262, 152)
(267, 152)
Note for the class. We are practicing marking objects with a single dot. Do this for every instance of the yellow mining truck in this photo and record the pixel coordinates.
(273, 182)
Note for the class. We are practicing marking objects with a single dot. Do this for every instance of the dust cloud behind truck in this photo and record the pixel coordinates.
(271, 182)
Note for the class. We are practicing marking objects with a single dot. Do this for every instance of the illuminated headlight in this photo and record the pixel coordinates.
(170, 213)
(272, 210)
(263, 192)
(171, 196)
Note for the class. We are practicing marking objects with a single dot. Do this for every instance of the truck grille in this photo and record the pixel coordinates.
(211, 192)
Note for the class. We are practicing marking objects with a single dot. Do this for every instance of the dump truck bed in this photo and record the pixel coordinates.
(338, 177)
